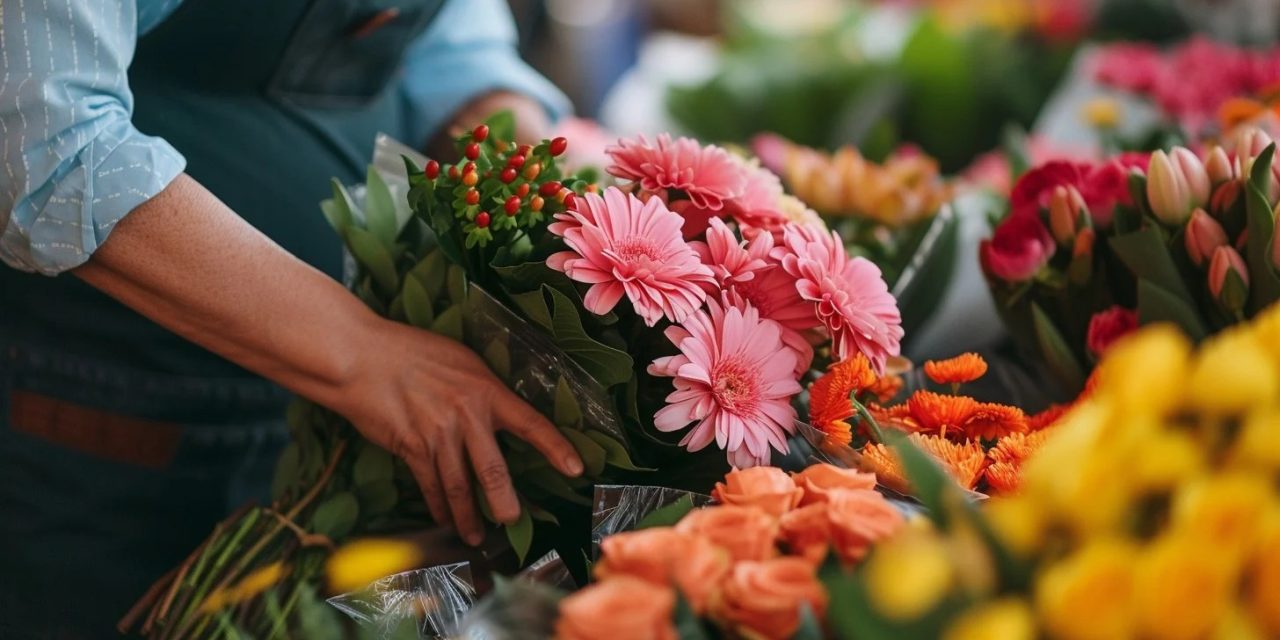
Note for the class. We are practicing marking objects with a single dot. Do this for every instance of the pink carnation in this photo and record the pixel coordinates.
(735, 379)
(622, 246)
(849, 296)
(1105, 327)
(1020, 247)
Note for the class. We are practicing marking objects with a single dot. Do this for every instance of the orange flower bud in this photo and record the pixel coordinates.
(1224, 262)
(1219, 166)
(1224, 197)
(1084, 243)
(1065, 207)
(1203, 235)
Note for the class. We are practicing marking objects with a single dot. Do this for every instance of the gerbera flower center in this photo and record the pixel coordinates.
(637, 249)
(735, 387)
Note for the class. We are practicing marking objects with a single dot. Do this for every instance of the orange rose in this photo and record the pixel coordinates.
(765, 598)
(807, 532)
(747, 533)
(860, 518)
(819, 480)
(769, 488)
(620, 608)
(663, 556)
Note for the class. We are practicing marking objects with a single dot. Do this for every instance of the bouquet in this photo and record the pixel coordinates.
(894, 213)
(688, 303)
(1091, 251)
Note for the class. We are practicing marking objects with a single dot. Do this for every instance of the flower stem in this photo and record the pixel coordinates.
(877, 433)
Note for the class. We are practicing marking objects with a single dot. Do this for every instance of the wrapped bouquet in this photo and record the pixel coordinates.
(649, 321)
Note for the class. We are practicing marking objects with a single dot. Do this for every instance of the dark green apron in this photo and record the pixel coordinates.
(120, 443)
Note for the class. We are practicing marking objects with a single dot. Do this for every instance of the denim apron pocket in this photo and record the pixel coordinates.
(345, 53)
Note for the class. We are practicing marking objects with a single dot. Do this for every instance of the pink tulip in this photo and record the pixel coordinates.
(1193, 173)
(1065, 207)
(1219, 166)
(1225, 261)
(1203, 236)
(1167, 190)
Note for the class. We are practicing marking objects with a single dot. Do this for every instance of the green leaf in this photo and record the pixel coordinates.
(593, 455)
(417, 303)
(1054, 348)
(930, 484)
(449, 323)
(338, 211)
(374, 258)
(520, 535)
(688, 625)
(567, 413)
(615, 453)
(1235, 292)
(1260, 175)
(534, 306)
(287, 471)
(379, 208)
(377, 498)
(940, 70)
(431, 272)
(1157, 305)
(373, 464)
(809, 629)
(540, 514)
(502, 126)
(1146, 255)
(607, 365)
(550, 481)
(666, 516)
(457, 284)
(1263, 280)
(337, 516)
(498, 357)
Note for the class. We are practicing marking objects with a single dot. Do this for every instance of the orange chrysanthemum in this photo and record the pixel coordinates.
(829, 404)
(964, 462)
(886, 387)
(939, 414)
(895, 417)
(965, 367)
(1237, 111)
(990, 421)
(1047, 417)
(1005, 473)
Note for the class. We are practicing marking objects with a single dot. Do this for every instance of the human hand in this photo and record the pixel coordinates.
(532, 124)
(435, 404)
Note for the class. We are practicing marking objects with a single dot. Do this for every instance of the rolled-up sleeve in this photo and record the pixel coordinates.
(71, 163)
(469, 50)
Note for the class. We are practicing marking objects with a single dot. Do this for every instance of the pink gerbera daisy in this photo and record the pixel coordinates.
(696, 181)
(759, 208)
(851, 298)
(620, 245)
(735, 379)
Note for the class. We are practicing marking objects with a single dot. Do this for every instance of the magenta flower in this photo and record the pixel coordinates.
(622, 246)
(1109, 325)
(735, 379)
(848, 295)
(1020, 247)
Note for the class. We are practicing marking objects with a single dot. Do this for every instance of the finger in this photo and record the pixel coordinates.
(457, 491)
(491, 470)
(425, 475)
(517, 417)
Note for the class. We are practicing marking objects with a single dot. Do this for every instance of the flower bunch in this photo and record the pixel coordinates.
(1089, 252)
(1152, 511)
(981, 445)
(742, 305)
(1191, 82)
(747, 566)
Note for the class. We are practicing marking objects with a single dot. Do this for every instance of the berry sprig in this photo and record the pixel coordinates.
(499, 188)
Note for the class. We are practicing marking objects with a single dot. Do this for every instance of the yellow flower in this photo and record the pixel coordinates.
(1102, 113)
(1235, 624)
(1089, 594)
(1147, 373)
(1166, 460)
(1006, 619)
(1182, 588)
(1227, 513)
(359, 563)
(1232, 375)
(247, 588)
(1019, 521)
(909, 574)
(1264, 584)
(1257, 446)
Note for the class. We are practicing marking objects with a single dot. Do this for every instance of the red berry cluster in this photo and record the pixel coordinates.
(499, 186)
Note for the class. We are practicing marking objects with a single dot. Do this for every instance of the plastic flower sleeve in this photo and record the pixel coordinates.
(549, 570)
(436, 597)
(621, 507)
(515, 610)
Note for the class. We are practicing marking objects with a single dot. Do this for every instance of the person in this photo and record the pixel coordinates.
(170, 280)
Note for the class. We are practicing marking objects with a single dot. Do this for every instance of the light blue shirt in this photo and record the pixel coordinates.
(71, 163)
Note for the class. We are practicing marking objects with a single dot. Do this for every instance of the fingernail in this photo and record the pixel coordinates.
(473, 538)
(573, 465)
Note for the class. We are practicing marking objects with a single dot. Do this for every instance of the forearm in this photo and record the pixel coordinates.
(186, 261)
